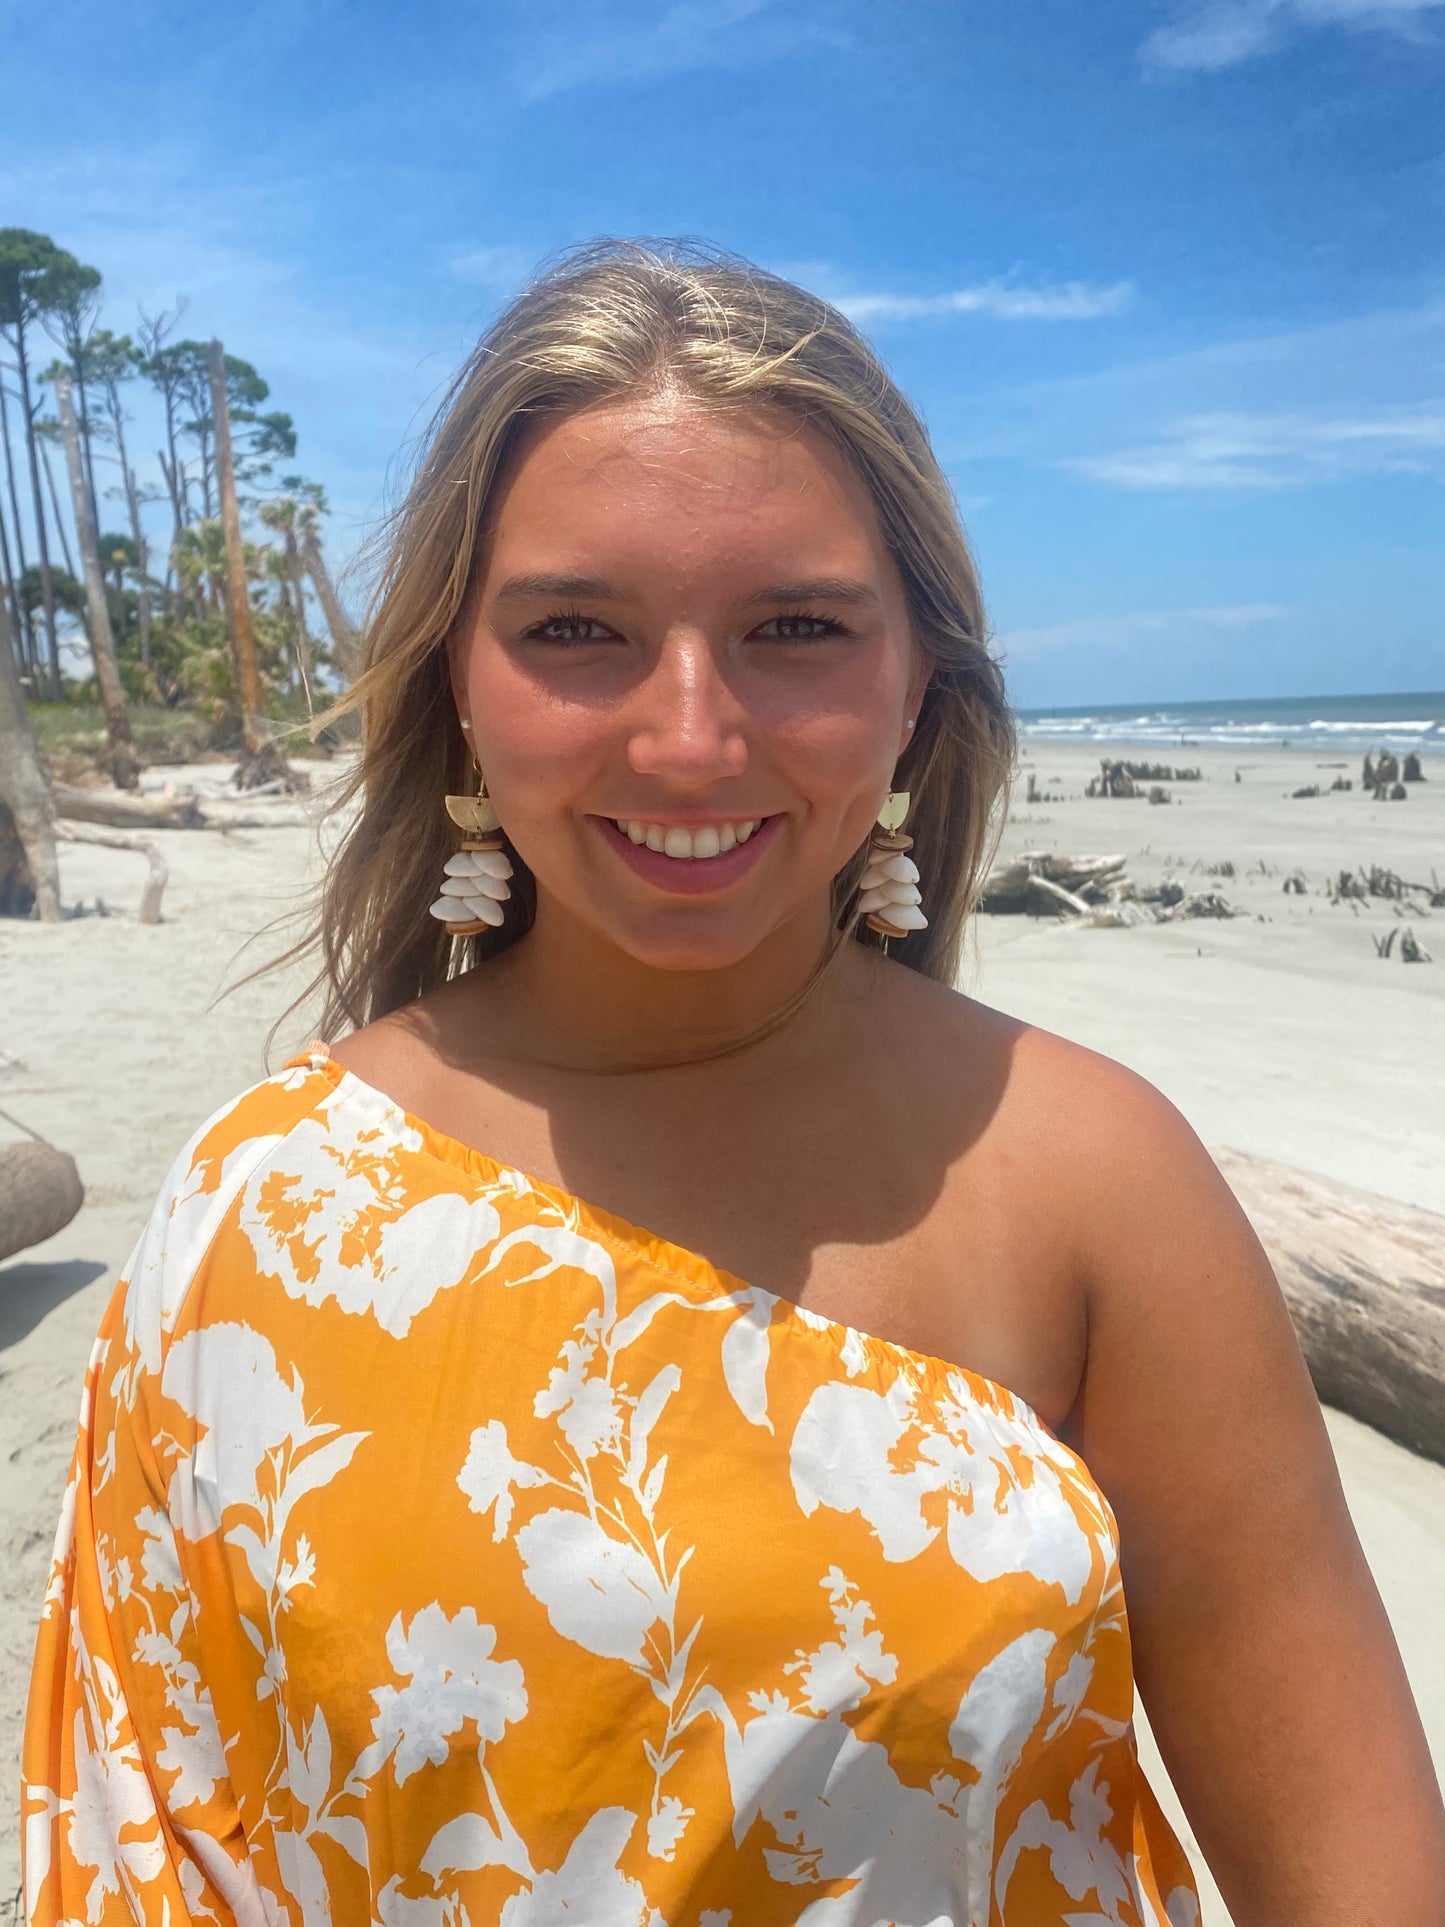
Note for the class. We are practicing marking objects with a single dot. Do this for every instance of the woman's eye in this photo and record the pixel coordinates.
(569, 629)
(799, 629)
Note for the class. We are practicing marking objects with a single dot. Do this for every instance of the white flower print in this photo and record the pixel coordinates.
(332, 1216)
(666, 1827)
(856, 1450)
(490, 1474)
(588, 1886)
(111, 1793)
(599, 1591)
(835, 1677)
(452, 1679)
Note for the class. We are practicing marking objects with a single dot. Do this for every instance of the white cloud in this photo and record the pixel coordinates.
(1224, 33)
(588, 43)
(1235, 450)
(1003, 300)
(1124, 632)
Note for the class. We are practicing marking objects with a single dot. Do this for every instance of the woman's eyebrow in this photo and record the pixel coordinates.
(823, 588)
(826, 588)
(517, 587)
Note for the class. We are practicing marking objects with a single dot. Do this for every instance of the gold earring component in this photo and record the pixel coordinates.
(474, 886)
(888, 896)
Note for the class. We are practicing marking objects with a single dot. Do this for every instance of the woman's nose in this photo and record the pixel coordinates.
(687, 726)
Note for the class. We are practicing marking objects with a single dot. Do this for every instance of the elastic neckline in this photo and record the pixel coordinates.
(688, 1268)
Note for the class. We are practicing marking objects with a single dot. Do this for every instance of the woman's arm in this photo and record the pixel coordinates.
(1262, 1650)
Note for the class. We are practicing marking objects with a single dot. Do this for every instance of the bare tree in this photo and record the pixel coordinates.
(262, 761)
(124, 767)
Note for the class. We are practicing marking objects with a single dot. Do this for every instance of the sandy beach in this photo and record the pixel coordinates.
(1280, 1031)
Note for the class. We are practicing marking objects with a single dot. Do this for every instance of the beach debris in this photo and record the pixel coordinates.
(1341, 783)
(175, 809)
(1410, 948)
(1036, 795)
(1093, 891)
(1398, 793)
(1364, 1279)
(1412, 772)
(40, 1190)
(1204, 903)
(1158, 794)
(1310, 789)
(1294, 885)
(1119, 778)
(1223, 869)
(1034, 881)
(157, 875)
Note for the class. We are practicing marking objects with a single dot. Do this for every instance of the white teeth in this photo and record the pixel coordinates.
(708, 840)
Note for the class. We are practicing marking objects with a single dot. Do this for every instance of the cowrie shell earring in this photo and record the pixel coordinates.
(888, 896)
(474, 886)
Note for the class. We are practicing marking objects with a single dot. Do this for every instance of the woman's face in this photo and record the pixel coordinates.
(688, 673)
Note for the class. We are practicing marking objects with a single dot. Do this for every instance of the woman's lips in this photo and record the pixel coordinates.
(689, 876)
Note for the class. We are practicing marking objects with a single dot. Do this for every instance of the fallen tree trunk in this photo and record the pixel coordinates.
(178, 812)
(1364, 1279)
(40, 1192)
(157, 875)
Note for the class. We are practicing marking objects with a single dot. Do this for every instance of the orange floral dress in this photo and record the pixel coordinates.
(440, 1550)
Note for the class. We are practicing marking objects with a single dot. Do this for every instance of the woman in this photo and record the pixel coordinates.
(443, 1547)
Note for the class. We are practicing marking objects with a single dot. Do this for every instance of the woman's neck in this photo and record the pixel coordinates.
(589, 1004)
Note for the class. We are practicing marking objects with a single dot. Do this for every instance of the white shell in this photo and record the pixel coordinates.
(451, 910)
(869, 901)
(485, 910)
(903, 893)
(479, 863)
(495, 887)
(902, 867)
(903, 917)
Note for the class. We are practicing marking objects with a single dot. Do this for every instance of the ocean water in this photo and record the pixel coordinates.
(1414, 719)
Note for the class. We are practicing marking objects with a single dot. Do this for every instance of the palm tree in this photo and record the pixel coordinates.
(290, 574)
(124, 766)
(37, 279)
(115, 359)
(310, 505)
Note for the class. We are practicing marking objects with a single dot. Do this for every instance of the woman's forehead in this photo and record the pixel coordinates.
(668, 459)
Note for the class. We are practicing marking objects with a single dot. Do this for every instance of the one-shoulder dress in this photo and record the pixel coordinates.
(441, 1551)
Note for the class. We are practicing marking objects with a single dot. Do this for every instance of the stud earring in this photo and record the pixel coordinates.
(474, 886)
(888, 895)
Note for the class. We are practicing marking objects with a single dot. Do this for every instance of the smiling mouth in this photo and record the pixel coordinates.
(689, 859)
(699, 844)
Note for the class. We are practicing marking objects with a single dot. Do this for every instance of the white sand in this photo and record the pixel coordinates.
(1287, 1037)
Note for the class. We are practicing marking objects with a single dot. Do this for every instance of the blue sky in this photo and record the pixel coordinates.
(1166, 280)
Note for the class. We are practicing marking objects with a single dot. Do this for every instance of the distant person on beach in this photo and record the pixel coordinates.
(441, 1545)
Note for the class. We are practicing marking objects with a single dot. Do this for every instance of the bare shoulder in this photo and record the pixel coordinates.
(1095, 1124)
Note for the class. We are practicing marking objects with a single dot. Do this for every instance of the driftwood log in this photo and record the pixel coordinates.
(40, 1192)
(157, 875)
(1364, 1279)
(176, 812)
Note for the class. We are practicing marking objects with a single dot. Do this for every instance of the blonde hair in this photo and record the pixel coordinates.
(608, 321)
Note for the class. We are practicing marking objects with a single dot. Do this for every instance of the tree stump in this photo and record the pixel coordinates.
(17, 885)
(40, 1192)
